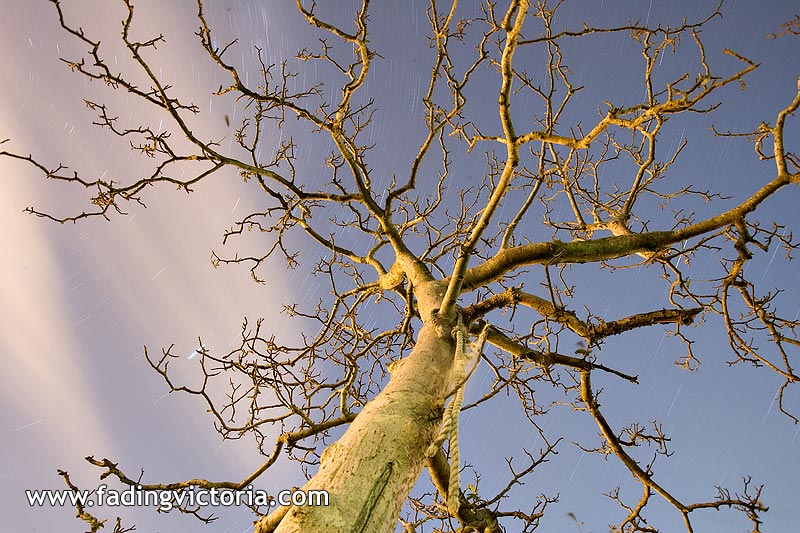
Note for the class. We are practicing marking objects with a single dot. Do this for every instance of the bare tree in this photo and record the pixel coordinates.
(445, 259)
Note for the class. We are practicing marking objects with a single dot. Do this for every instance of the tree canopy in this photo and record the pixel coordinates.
(515, 201)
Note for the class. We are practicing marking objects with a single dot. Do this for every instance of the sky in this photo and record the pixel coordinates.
(79, 301)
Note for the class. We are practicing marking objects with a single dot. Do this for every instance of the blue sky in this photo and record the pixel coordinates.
(80, 301)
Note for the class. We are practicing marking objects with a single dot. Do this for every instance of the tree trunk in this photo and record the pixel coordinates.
(369, 472)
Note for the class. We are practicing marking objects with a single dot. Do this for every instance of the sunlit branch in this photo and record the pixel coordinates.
(517, 11)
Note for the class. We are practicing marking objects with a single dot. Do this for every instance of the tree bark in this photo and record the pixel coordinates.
(369, 472)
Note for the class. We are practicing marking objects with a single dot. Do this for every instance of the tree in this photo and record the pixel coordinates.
(444, 253)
